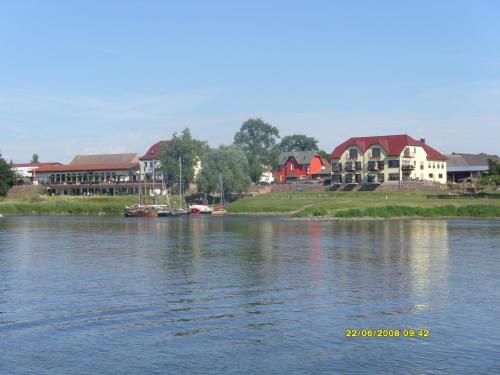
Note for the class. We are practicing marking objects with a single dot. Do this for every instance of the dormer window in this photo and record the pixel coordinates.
(353, 153)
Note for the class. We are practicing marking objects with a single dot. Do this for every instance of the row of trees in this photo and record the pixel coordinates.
(256, 144)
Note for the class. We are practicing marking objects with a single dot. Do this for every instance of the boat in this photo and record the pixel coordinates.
(219, 209)
(138, 210)
(201, 209)
(167, 212)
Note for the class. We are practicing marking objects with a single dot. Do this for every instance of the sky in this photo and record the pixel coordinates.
(86, 77)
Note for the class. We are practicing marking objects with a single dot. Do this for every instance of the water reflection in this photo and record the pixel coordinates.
(150, 294)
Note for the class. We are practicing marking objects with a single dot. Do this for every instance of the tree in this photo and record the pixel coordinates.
(494, 167)
(325, 155)
(257, 139)
(7, 176)
(228, 161)
(34, 158)
(298, 142)
(189, 150)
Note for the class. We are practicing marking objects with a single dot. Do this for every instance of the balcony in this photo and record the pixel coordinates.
(407, 167)
(349, 167)
(374, 156)
(336, 167)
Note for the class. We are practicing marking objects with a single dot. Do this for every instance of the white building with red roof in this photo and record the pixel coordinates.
(387, 158)
(150, 161)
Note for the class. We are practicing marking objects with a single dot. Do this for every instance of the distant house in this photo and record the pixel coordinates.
(87, 173)
(267, 176)
(387, 158)
(301, 165)
(468, 167)
(26, 172)
(150, 161)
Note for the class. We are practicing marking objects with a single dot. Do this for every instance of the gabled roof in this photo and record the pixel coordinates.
(302, 157)
(105, 159)
(153, 152)
(392, 144)
(469, 162)
(456, 159)
(88, 167)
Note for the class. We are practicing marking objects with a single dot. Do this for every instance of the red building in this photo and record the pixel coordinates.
(301, 165)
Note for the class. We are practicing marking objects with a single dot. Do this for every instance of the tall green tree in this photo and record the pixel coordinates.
(257, 139)
(34, 158)
(228, 161)
(298, 142)
(189, 150)
(494, 167)
(7, 176)
(325, 155)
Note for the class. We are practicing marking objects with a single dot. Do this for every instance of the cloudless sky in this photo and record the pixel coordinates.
(116, 76)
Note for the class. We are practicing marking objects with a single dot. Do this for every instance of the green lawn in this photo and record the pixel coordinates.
(332, 203)
(66, 205)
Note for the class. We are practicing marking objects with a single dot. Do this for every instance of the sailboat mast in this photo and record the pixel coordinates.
(180, 181)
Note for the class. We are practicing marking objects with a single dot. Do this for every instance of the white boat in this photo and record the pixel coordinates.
(201, 209)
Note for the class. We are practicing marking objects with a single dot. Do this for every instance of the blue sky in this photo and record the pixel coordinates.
(116, 76)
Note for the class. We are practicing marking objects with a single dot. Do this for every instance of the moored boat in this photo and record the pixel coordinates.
(201, 209)
(138, 210)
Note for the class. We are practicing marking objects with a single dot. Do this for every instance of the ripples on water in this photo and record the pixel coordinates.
(246, 295)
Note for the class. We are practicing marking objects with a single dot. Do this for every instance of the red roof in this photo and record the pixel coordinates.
(392, 144)
(87, 167)
(153, 151)
(34, 165)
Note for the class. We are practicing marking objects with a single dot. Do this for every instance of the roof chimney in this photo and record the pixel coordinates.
(422, 140)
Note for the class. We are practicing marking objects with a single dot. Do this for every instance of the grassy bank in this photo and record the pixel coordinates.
(359, 204)
(66, 205)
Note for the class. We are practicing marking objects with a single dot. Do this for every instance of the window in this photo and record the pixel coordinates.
(380, 177)
(291, 166)
(380, 164)
(348, 166)
(336, 166)
(337, 179)
(371, 165)
(393, 164)
(440, 175)
(394, 176)
(358, 178)
(431, 175)
(353, 153)
(348, 178)
(421, 165)
(357, 165)
(375, 152)
(371, 178)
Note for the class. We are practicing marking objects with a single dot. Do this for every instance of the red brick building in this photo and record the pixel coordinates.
(301, 165)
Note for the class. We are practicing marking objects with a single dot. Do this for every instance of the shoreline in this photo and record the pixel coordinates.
(285, 216)
(330, 218)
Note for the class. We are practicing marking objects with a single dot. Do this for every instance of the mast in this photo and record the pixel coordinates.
(154, 191)
(221, 190)
(180, 181)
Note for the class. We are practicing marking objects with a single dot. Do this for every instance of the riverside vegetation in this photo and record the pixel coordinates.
(300, 205)
(365, 204)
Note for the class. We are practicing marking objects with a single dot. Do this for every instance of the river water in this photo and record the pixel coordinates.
(100, 295)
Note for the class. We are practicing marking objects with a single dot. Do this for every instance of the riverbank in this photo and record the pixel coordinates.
(327, 205)
(365, 205)
(66, 205)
